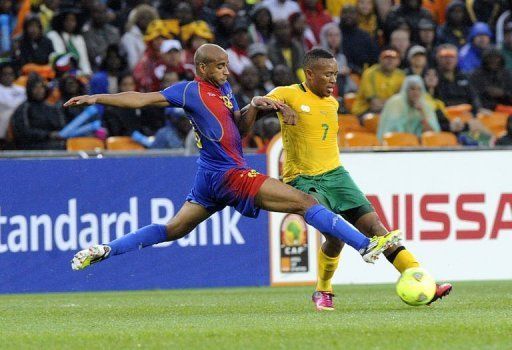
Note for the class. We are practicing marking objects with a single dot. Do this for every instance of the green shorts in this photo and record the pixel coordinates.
(337, 191)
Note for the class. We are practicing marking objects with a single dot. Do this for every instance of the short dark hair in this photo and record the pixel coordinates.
(314, 55)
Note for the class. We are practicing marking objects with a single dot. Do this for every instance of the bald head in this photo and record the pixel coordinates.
(208, 53)
(212, 64)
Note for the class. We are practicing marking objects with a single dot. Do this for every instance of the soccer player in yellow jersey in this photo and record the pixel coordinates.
(313, 166)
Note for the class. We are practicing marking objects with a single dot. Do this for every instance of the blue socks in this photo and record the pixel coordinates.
(329, 223)
(143, 237)
(317, 216)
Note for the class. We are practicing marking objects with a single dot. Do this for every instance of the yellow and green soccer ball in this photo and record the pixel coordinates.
(416, 286)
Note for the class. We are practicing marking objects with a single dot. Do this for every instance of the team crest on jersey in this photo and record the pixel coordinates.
(227, 101)
(305, 108)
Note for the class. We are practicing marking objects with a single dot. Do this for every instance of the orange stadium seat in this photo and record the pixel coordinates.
(123, 143)
(504, 108)
(349, 122)
(438, 139)
(84, 144)
(496, 122)
(462, 111)
(359, 139)
(502, 133)
(400, 139)
(371, 122)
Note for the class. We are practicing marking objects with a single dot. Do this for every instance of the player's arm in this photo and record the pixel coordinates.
(283, 94)
(129, 99)
(245, 118)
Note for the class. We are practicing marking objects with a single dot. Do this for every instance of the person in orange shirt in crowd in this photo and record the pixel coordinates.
(437, 8)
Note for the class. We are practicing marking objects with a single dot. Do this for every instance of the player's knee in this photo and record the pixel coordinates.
(305, 202)
(176, 230)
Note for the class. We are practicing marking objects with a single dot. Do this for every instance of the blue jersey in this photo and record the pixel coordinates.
(211, 111)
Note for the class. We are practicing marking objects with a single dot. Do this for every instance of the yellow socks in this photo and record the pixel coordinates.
(326, 268)
(402, 259)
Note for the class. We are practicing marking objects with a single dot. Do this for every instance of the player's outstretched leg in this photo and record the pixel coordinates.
(276, 196)
(92, 255)
(189, 216)
(400, 257)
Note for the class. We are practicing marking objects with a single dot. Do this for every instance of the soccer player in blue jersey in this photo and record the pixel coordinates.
(223, 177)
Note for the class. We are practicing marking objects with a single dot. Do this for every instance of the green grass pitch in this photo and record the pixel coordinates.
(477, 315)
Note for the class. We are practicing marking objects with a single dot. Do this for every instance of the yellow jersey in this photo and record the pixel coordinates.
(374, 83)
(311, 145)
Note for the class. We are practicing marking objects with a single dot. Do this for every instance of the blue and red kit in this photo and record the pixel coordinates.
(223, 177)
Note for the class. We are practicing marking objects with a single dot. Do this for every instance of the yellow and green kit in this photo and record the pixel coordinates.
(312, 163)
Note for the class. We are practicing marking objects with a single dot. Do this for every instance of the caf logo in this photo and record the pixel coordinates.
(294, 244)
(293, 231)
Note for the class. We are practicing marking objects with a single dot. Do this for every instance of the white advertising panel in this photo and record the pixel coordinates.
(453, 207)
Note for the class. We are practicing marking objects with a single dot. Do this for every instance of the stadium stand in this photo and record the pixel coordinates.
(123, 143)
(400, 139)
(438, 139)
(359, 139)
(84, 144)
(155, 44)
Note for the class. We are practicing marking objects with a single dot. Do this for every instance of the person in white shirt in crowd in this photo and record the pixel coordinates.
(281, 9)
(66, 38)
(11, 96)
(132, 42)
(417, 59)
(237, 53)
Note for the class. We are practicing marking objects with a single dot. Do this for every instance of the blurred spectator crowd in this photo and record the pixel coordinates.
(405, 67)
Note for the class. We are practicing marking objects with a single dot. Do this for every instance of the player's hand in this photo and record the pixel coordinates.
(265, 103)
(290, 117)
(81, 100)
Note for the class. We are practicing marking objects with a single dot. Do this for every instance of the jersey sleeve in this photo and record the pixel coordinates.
(233, 99)
(175, 94)
(279, 93)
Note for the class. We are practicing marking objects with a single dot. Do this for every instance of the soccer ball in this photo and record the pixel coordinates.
(416, 287)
